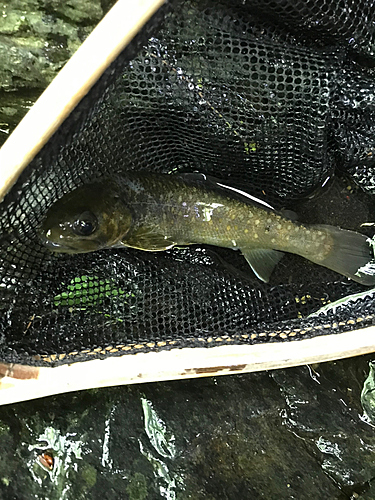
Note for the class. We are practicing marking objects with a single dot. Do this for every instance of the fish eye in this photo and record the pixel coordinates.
(86, 224)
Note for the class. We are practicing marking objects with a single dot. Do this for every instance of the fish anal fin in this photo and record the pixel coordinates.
(262, 261)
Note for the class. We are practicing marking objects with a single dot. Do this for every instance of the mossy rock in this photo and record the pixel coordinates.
(37, 38)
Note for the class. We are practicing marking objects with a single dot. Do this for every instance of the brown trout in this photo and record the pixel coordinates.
(154, 212)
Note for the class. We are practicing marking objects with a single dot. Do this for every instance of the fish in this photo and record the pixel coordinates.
(154, 212)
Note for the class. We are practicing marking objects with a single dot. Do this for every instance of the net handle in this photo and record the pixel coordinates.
(98, 51)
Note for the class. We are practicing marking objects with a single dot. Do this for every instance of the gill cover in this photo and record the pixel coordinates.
(89, 218)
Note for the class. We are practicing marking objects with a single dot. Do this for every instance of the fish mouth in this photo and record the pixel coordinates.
(58, 247)
(87, 247)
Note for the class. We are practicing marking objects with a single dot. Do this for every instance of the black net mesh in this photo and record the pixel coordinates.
(274, 95)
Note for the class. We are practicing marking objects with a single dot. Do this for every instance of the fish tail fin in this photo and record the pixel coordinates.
(352, 255)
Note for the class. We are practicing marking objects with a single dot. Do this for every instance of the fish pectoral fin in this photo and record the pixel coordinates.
(262, 261)
(148, 239)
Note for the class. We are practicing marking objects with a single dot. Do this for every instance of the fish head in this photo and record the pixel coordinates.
(89, 218)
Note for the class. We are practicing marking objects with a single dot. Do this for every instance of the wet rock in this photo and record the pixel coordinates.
(296, 434)
(36, 39)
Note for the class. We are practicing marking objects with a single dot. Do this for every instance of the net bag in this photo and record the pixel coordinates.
(274, 96)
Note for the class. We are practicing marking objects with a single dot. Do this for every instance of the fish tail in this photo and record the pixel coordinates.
(352, 255)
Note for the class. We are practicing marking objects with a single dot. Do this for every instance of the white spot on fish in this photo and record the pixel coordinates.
(234, 243)
(207, 209)
(207, 214)
(48, 234)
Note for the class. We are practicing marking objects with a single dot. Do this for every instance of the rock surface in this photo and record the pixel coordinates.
(37, 37)
(296, 434)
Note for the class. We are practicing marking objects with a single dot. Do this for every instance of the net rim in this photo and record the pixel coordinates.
(22, 383)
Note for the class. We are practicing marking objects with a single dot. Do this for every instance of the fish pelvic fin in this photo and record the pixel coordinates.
(352, 255)
(262, 261)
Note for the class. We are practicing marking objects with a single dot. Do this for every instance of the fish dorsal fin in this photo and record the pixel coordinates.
(289, 214)
(262, 261)
(192, 176)
(148, 239)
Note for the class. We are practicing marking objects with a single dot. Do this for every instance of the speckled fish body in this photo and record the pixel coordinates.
(186, 212)
(154, 212)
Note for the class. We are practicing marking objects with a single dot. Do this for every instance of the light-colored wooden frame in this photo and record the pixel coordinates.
(20, 383)
(72, 83)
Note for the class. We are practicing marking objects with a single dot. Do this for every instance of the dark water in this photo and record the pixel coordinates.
(298, 433)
